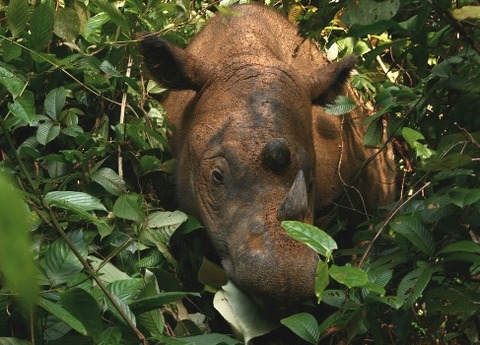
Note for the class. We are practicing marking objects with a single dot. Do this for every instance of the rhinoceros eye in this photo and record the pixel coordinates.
(217, 177)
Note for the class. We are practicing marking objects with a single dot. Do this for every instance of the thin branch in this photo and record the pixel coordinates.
(122, 116)
(392, 214)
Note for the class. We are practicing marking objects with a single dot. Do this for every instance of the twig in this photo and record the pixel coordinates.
(392, 214)
(122, 116)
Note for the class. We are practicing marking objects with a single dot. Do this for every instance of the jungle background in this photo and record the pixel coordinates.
(92, 248)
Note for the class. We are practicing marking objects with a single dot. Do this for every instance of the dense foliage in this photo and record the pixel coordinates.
(92, 249)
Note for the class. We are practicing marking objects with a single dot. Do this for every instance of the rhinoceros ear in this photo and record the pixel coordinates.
(172, 66)
(327, 81)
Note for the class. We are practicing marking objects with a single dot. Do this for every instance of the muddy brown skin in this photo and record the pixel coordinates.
(255, 148)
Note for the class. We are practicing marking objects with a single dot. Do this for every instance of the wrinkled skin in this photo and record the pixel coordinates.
(254, 148)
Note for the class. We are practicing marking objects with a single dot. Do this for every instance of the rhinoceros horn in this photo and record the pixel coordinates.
(295, 204)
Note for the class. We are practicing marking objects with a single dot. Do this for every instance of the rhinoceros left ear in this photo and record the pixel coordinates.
(172, 66)
(327, 81)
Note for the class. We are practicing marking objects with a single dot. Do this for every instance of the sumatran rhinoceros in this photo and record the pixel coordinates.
(254, 146)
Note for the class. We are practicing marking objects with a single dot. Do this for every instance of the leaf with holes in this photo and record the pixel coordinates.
(412, 229)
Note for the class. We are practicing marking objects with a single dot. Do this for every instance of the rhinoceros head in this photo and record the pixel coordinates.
(246, 162)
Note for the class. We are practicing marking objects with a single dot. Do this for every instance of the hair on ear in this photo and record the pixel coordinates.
(172, 66)
(327, 82)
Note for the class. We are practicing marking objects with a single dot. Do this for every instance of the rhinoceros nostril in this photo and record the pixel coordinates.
(276, 155)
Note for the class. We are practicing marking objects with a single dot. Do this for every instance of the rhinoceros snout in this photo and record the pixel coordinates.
(295, 205)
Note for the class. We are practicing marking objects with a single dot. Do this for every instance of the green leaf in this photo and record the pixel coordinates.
(124, 308)
(92, 28)
(129, 206)
(84, 307)
(368, 12)
(412, 229)
(17, 16)
(461, 247)
(17, 266)
(67, 24)
(24, 107)
(304, 325)
(108, 272)
(110, 336)
(449, 162)
(342, 105)
(60, 263)
(166, 222)
(374, 133)
(13, 341)
(312, 236)
(79, 200)
(144, 304)
(411, 136)
(395, 302)
(411, 287)
(334, 298)
(12, 82)
(110, 181)
(109, 69)
(321, 279)
(211, 274)
(41, 25)
(241, 313)
(47, 131)
(464, 196)
(349, 276)
(114, 14)
(126, 289)
(54, 102)
(63, 315)
(10, 50)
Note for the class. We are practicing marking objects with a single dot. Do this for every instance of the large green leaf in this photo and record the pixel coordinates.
(210, 339)
(80, 304)
(126, 289)
(349, 276)
(411, 227)
(461, 247)
(413, 284)
(41, 25)
(114, 14)
(312, 236)
(16, 259)
(47, 132)
(374, 133)
(304, 325)
(108, 272)
(166, 222)
(60, 263)
(63, 315)
(241, 313)
(69, 199)
(67, 24)
(55, 101)
(17, 16)
(14, 83)
(24, 107)
(109, 179)
(368, 12)
(129, 206)
(211, 274)
(464, 196)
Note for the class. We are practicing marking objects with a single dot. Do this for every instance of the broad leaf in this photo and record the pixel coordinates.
(464, 196)
(41, 25)
(13, 82)
(461, 247)
(67, 24)
(374, 133)
(342, 105)
(241, 313)
(129, 206)
(54, 102)
(166, 222)
(63, 315)
(126, 289)
(47, 131)
(349, 276)
(209, 339)
(61, 264)
(17, 16)
(109, 179)
(211, 274)
(13, 341)
(144, 304)
(413, 230)
(413, 284)
(24, 107)
(312, 236)
(304, 325)
(84, 307)
(368, 12)
(69, 199)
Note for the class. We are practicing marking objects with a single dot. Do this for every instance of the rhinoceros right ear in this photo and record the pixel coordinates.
(172, 66)
(327, 82)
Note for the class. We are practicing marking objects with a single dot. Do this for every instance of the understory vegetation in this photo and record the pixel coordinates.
(92, 248)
